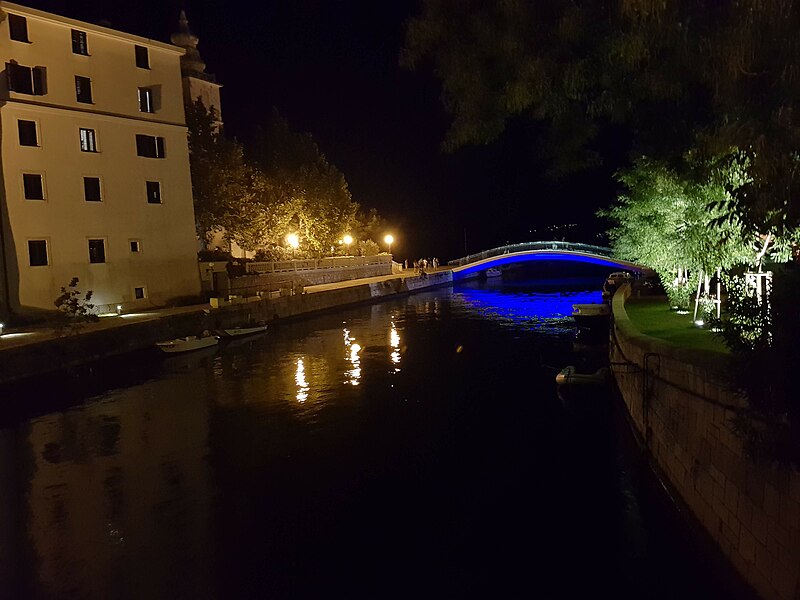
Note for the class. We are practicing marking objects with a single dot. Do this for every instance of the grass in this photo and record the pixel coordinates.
(653, 317)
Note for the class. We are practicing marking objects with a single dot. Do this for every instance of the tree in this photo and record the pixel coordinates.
(228, 194)
(310, 197)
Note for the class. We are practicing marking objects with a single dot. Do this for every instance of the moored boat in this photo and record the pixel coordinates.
(242, 331)
(187, 344)
(587, 315)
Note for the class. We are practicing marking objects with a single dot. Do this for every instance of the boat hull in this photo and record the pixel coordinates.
(242, 331)
(187, 344)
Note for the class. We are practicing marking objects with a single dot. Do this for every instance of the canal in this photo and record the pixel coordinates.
(412, 448)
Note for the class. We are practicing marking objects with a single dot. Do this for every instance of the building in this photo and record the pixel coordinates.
(95, 165)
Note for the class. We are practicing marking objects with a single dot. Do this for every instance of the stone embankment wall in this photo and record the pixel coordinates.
(682, 410)
(250, 284)
(98, 341)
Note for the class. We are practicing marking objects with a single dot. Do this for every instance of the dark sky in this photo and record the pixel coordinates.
(331, 67)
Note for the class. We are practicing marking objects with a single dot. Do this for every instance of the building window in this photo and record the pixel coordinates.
(26, 80)
(142, 58)
(139, 293)
(79, 45)
(88, 141)
(18, 28)
(91, 189)
(97, 251)
(149, 146)
(146, 100)
(136, 246)
(83, 89)
(153, 192)
(33, 185)
(37, 253)
(27, 133)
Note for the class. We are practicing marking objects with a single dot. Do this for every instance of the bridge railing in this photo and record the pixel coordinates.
(529, 246)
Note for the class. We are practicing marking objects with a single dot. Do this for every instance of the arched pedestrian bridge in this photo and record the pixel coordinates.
(472, 265)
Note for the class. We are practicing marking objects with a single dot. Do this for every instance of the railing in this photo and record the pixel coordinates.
(529, 246)
(336, 262)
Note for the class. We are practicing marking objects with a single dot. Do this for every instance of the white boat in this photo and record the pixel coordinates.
(187, 344)
(587, 315)
(569, 376)
(493, 272)
(241, 331)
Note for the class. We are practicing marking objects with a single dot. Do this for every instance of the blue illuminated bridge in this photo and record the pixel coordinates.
(472, 265)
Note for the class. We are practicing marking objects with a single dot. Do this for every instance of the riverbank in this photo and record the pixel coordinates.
(682, 410)
(39, 351)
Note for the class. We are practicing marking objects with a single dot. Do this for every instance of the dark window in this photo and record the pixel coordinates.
(149, 146)
(37, 253)
(83, 89)
(34, 187)
(88, 142)
(134, 245)
(97, 251)
(91, 189)
(142, 58)
(138, 293)
(153, 192)
(146, 100)
(18, 27)
(79, 45)
(26, 80)
(27, 133)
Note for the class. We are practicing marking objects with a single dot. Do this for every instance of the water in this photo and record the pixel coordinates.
(413, 448)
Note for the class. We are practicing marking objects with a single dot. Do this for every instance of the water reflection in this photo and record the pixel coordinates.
(300, 379)
(352, 348)
(394, 344)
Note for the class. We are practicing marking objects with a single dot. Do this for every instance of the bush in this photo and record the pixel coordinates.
(75, 311)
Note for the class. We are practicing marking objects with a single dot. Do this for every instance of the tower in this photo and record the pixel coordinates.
(196, 82)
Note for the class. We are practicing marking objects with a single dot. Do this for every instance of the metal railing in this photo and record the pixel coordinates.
(335, 262)
(531, 246)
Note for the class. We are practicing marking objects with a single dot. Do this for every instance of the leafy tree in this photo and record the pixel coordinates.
(75, 310)
(228, 194)
(310, 196)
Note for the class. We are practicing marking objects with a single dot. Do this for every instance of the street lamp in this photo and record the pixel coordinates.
(348, 239)
(389, 239)
(294, 241)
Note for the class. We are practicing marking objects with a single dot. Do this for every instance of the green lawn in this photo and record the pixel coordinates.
(652, 316)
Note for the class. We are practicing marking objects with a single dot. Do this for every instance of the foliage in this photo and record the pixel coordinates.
(366, 248)
(75, 310)
(310, 196)
(227, 192)
(699, 77)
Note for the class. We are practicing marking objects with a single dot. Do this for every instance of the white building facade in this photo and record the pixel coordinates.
(95, 166)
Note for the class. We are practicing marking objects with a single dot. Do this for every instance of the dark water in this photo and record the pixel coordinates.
(414, 448)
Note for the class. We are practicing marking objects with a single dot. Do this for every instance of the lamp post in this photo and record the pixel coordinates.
(294, 241)
(389, 239)
(348, 239)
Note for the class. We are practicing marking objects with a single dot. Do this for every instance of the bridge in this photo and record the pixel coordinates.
(472, 265)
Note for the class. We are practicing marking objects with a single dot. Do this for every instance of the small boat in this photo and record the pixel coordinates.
(242, 331)
(587, 315)
(187, 344)
(570, 376)
(493, 272)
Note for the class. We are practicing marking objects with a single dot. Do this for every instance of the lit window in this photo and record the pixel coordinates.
(37, 253)
(18, 28)
(142, 58)
(27, 133)
(26, 80)
(91, 189)
(149, 146)
(33, 186)
(88, 141)
(97, 251)
(146, 100)
(83, 89)
(79, 45)
(153, 192)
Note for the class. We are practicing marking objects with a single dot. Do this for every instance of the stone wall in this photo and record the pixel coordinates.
(681, 410)
(252, 283)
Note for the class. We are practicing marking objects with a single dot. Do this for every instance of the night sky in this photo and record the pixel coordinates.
(331, 68)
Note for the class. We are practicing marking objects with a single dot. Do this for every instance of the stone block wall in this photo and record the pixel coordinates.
(682, 409)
